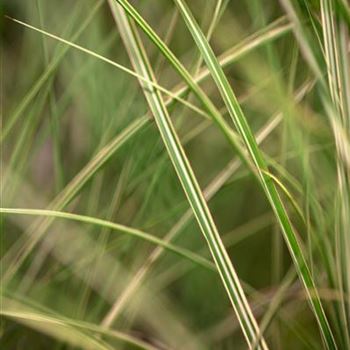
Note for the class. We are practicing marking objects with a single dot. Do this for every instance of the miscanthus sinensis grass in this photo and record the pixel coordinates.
(175, 174)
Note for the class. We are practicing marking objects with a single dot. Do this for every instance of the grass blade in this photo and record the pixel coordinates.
(116, 227)
(268, 186)
(188, 181)
(109, 61)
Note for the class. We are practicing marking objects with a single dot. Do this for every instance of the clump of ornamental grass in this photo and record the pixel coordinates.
(175, 175)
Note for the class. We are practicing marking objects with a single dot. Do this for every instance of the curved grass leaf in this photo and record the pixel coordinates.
(112, 63)
(116, 227)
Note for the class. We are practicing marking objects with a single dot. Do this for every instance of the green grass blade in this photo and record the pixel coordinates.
(268, 186)
(116, 227)
(188, 180)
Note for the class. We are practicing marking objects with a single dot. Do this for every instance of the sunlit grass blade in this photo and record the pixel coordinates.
(188, 180)
(268, 186)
